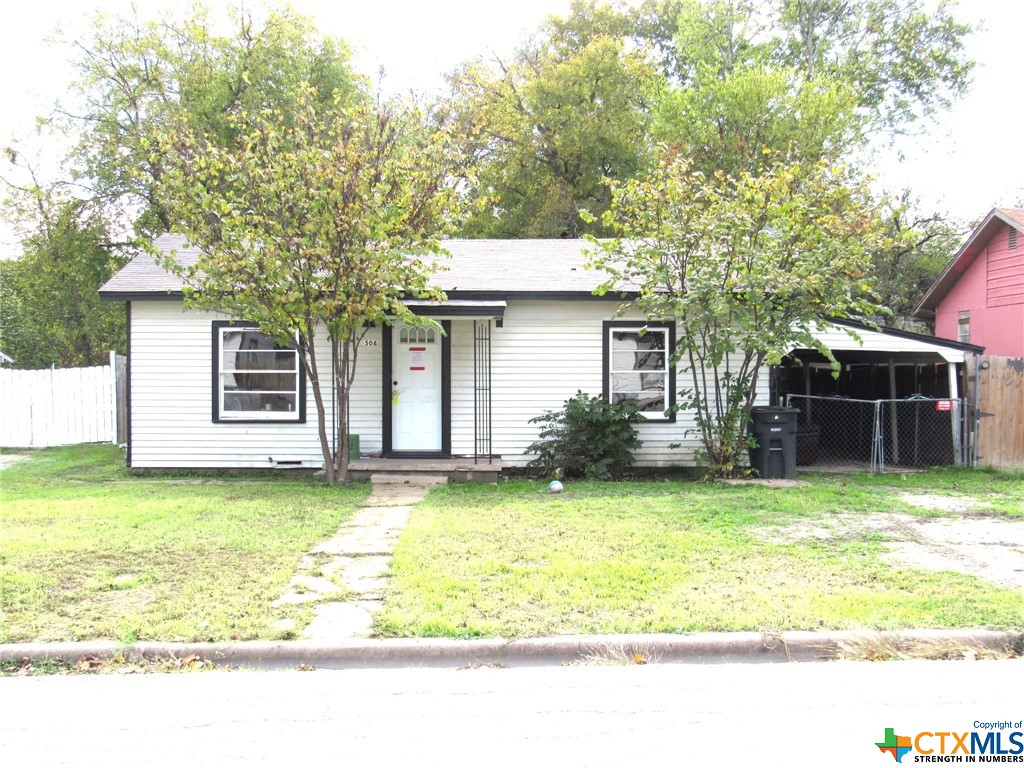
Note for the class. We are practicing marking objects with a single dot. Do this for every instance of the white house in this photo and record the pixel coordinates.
(523, 332)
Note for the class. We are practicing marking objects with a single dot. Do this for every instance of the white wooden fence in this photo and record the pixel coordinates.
(61, 406)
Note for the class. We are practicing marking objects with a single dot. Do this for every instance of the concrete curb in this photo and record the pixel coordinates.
(701, 648)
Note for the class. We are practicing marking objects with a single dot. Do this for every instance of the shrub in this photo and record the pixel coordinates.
(587, 438)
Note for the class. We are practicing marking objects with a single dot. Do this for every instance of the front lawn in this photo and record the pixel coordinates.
(88, 551)
(514, 560)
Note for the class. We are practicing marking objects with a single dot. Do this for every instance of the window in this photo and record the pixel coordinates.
(637, 367)
(963, 327)
(416, 335)
(255, 379)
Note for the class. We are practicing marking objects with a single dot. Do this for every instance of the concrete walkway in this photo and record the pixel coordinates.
(346, 575)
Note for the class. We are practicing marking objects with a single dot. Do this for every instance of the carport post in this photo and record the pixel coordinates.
(877, 448)
(956, 419)
(954, 393)
(954, 385)
(975, 408)
(893, 420)
(807, 391)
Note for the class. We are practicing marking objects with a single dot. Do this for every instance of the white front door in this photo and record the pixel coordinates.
(416, 400)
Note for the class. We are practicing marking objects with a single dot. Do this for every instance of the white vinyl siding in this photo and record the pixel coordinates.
(172, 399)
(544, 354)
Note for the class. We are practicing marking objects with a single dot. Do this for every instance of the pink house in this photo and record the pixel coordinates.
(979, 298)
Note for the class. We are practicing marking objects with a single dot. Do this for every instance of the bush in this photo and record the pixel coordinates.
(587, 438)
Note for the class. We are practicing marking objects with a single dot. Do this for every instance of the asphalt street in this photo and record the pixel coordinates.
(808, 714)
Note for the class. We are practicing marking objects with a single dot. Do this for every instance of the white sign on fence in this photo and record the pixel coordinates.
(61, 406)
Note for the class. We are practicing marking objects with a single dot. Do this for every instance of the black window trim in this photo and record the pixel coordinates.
(215, 359)
(606, 329)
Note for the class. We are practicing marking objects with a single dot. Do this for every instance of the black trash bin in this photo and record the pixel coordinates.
(774, 430)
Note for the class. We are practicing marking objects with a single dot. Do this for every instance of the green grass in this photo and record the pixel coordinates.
(1003, 491)
(89, 551)
(668, 557)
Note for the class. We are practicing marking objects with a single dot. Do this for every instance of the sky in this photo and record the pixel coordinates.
(969, 162)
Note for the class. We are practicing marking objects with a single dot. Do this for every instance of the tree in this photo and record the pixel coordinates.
(744, 266)
(904, 59)
(52, 313)
(567, 111)
(314, 221)
(760, 82)
(916, 249)
(736, 85)
(757, 116)
(16, 335)
(137, 77)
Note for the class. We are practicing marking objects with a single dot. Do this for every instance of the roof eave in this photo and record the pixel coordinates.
(170, 295)
(899, 333)
(141, 295)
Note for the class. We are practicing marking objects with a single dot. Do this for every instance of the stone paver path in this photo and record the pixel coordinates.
(346, 575)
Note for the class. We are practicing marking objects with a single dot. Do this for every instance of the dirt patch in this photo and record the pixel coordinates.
(966, 540)
(839, 528)
(953, 504)
(6, 459)
(778, 482)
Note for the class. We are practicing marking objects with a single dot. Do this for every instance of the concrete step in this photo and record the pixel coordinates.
(409, 471)
(420, 479)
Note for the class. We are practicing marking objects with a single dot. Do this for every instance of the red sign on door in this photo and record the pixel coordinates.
(943, 405)
(416, 358)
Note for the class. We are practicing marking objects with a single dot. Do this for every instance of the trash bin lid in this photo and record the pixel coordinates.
(773, 413)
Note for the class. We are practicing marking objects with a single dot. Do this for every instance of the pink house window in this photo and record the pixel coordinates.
(963, 328)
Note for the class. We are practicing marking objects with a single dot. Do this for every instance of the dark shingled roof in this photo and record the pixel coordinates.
(494, 267)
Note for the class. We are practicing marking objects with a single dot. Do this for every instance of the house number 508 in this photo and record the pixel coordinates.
(369, 342)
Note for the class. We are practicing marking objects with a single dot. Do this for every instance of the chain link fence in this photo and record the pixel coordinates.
(880, 435)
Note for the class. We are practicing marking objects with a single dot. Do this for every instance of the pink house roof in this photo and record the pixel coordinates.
(974, 244)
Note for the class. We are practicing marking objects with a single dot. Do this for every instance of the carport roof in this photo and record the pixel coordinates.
(878, 344)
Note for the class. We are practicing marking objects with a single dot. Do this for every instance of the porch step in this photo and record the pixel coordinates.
(420, 472)
(418, 479)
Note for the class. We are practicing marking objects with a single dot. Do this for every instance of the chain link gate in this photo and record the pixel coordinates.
(846, 433)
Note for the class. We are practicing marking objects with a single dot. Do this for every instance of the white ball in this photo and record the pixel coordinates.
(554, 487)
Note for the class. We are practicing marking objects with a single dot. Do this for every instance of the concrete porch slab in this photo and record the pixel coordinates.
(415, 471)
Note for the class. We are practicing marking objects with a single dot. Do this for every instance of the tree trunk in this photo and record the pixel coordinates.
(309, 360)
(344, 352)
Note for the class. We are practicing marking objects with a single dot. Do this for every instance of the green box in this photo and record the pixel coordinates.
(353, 447)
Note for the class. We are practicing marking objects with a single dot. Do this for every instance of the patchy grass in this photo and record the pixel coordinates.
(89, 551)
(1002, 491)
(120, 664)
(882, 647)
(665, 557)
